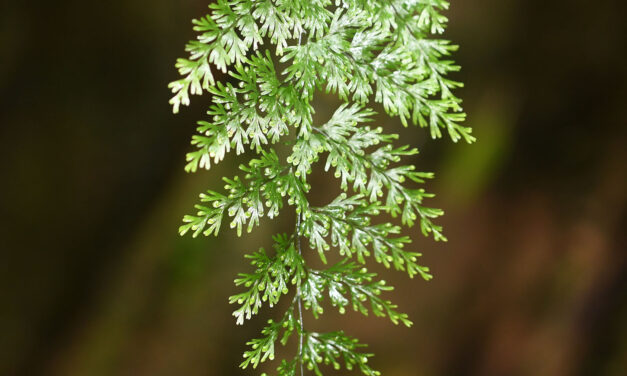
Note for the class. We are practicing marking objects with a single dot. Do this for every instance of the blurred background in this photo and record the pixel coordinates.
(94, 279)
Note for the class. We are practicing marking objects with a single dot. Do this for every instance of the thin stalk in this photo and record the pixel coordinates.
(300, 304)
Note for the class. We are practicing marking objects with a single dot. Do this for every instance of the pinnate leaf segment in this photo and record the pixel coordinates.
(278, 54)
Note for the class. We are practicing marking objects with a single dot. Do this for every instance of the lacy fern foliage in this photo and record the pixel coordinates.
(279, 54)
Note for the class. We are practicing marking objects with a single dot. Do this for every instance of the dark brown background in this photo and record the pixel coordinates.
(95, 281)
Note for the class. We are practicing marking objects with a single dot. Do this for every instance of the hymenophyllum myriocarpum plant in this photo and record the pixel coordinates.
(278, 54)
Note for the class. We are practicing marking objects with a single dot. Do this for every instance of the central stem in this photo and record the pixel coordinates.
(300, 304)
(298, 292)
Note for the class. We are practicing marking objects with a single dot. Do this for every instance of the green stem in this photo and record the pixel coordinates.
(300, 305)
